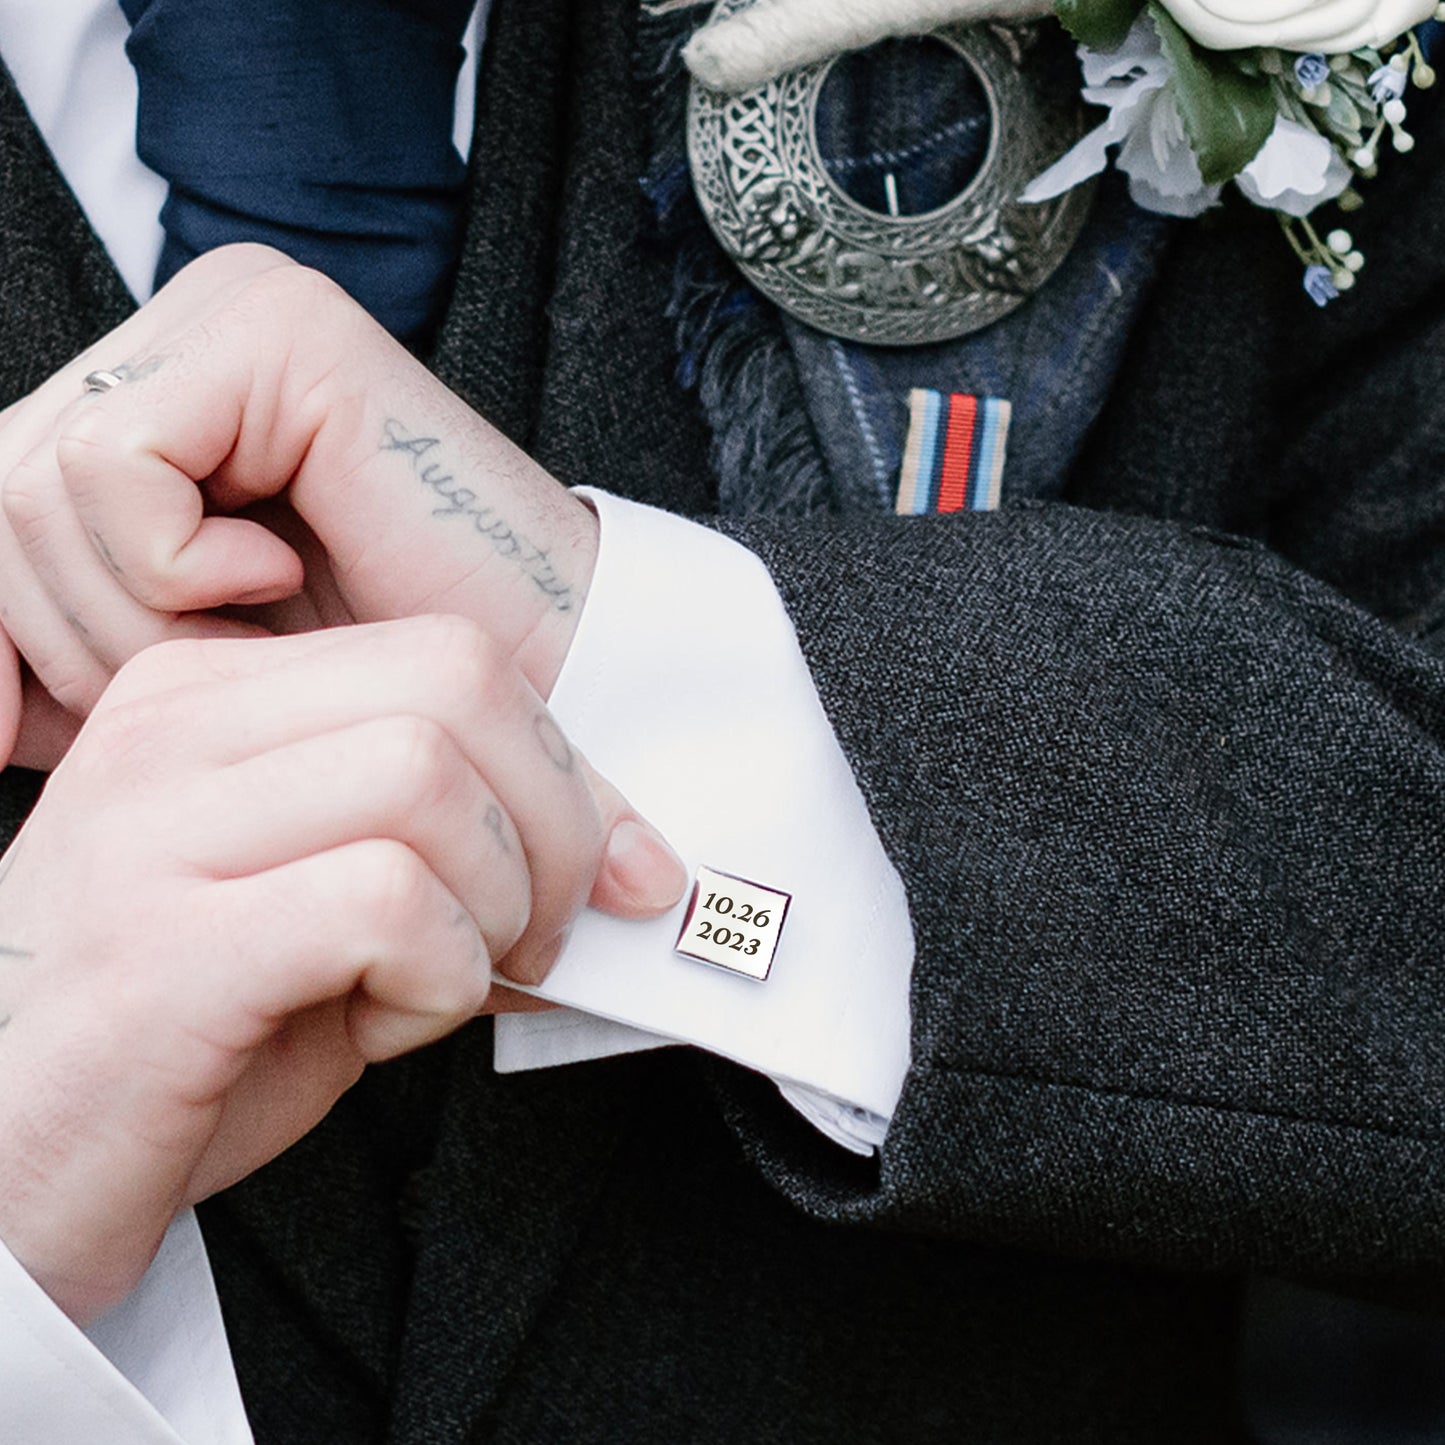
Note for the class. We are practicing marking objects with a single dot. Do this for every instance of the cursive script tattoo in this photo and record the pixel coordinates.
(459, 501)
(557, 748)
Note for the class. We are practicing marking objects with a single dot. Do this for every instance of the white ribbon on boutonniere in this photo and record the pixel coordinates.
(773, 36)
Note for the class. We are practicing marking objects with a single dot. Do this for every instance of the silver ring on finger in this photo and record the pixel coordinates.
(101, 381)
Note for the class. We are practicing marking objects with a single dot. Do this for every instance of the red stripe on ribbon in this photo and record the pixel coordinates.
(957, 453)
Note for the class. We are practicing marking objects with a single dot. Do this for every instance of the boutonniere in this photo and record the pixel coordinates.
(1292, 107)
(1291, 102)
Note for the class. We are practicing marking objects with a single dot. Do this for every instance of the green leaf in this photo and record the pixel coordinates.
(1343, 114)
(1227, 115)
(1099, 24)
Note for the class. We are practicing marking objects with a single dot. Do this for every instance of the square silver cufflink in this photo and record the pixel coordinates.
(733, 923)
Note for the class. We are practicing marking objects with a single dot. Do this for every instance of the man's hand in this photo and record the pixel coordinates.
(247, 378)
(263, 864)
(39, 720)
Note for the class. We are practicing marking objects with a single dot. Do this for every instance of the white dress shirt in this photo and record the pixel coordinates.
(677, 618)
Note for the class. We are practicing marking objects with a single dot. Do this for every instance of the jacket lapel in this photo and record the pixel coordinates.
(59, 291)
(558, 331)
(518, 1164)
(491, 349)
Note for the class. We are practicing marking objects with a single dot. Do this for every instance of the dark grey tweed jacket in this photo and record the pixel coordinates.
(1164, 772)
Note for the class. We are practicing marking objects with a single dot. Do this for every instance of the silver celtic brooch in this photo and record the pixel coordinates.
(856, 273)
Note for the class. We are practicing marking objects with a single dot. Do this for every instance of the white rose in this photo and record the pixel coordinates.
(1328, 26)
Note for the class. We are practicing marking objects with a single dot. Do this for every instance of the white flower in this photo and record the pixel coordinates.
(1328, 26)
(1144, 121)
(1296, 169)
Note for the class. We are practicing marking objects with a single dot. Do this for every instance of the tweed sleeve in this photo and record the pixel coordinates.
(1169, 817)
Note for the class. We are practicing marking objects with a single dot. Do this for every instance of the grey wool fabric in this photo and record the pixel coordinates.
(1162, 768)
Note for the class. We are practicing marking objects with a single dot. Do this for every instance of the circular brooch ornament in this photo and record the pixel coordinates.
(864, 276)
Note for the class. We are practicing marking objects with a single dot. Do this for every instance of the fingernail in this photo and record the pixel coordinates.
(644, 867)
(536, 963)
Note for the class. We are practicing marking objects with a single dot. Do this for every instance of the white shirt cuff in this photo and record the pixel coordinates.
(686, 688)
(156, 1370)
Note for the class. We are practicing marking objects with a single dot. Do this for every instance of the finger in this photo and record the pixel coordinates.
(82, 579)
(147, 518)
(259, 695)
(420, 506)
(549, 791)
(640, 876)
(235, 417)
(36, 623)
(368, 919)
(289, 1085)
(402, 778)
(189, 662)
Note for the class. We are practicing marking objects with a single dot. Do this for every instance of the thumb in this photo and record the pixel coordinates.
(640, 875)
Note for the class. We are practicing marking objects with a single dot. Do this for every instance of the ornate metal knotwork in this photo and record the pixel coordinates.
(853, 272)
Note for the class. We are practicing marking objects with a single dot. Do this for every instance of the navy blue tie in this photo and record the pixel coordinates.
(320, 127)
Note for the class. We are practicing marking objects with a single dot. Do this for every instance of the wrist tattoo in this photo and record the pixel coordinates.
(459, 501)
